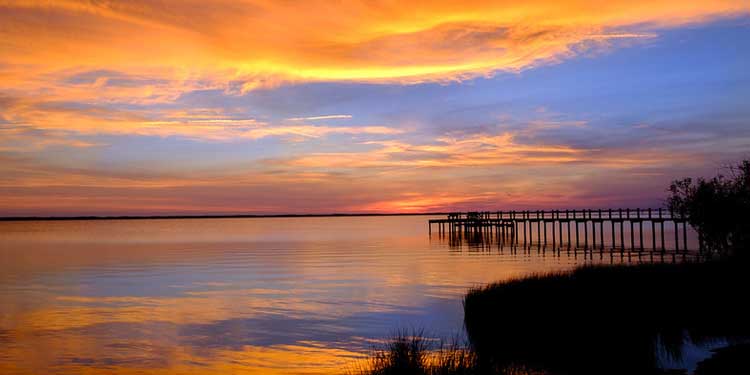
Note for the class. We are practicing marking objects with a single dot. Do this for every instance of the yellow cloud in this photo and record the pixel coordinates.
(237, 46)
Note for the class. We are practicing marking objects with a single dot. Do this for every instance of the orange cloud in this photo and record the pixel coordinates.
(172, 47)
(213, 125)
(418, 202)
(446, 152)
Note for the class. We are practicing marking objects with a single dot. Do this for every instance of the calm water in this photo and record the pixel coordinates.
(281, 295)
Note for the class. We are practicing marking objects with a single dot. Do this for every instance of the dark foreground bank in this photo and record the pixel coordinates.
(594, 320)
(611, 320)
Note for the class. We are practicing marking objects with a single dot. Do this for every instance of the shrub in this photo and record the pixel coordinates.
(718, 208)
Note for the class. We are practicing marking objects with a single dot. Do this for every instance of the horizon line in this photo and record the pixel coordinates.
(209, 216)
(287, 215)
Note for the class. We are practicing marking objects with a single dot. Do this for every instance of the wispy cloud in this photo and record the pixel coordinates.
(206, 125)
(324, 117)
(27, 140)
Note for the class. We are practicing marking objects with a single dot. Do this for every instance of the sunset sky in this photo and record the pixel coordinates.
(272, 106)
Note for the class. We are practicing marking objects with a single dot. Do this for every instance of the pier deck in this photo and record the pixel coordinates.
(612, 229)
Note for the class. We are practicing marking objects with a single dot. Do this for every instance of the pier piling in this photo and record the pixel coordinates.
(516, 228)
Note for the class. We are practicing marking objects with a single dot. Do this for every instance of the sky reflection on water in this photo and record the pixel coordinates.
(282, 295)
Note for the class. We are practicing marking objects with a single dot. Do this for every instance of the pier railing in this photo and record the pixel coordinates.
(591, 229)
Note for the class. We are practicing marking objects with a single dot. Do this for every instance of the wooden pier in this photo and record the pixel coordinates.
(601, 229)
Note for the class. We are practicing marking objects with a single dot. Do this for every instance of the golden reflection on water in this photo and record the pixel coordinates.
(277, 296)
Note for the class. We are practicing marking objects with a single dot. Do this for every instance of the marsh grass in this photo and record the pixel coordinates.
(413, 353)
(607, 319)
(593, 320)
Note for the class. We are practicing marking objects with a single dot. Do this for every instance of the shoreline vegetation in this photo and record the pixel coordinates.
(608, 319)
(591, 320)
(616, 319)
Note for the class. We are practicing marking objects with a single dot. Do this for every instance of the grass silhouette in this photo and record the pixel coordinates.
(592, 320)
(414, 353)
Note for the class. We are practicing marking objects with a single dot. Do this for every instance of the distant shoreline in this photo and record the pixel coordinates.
(248, 216)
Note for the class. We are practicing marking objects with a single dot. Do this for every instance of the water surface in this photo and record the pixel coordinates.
(272, 295)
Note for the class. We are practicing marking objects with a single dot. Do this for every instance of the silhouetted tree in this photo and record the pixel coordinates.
(718, 208)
